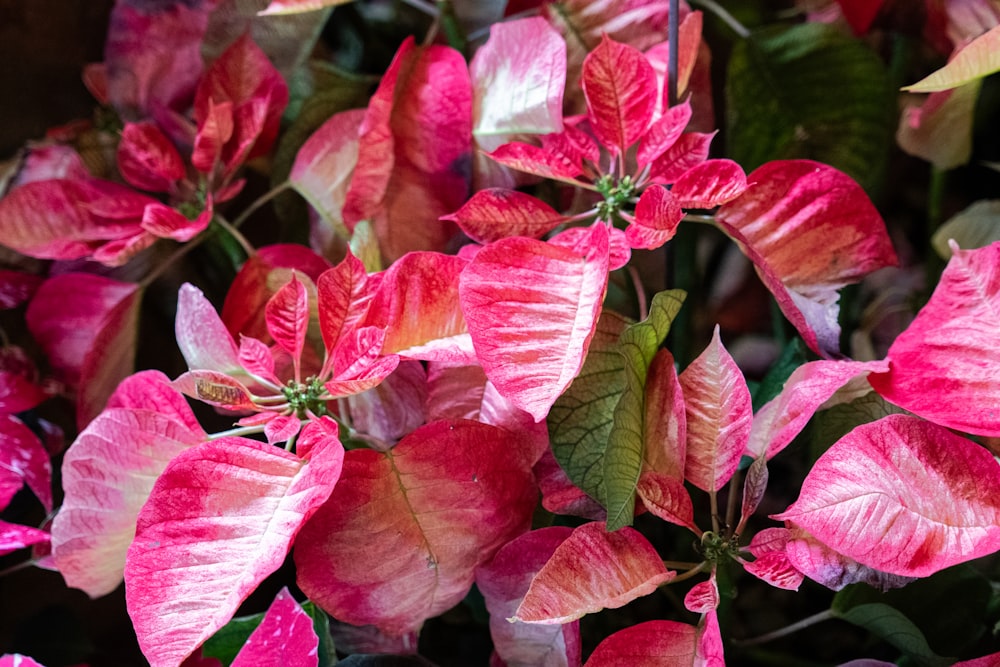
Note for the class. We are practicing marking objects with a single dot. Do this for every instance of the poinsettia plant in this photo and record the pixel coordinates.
(511, 340)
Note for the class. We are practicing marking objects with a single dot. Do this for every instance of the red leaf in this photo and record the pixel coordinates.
(710, 184)
(23, 455)
(497, 213)
(284, 637)
(718, 416)
(657, 216)
(503, 583)
(221, 517)
(169, 223)
(923, 495)
(543, 162)
(592, 570)
(709, 651)
(666, 497)
(257, 359)
(648, 644)
(287, 318)
(517, 288)
(690, 150)
(814, 229)
(620, 86)
(663, 133)
(943, 367)
(17, 288)
(147, 159)
(860, 13)
(107, 475)
(404, 530)
(666, 419)
(19, 390)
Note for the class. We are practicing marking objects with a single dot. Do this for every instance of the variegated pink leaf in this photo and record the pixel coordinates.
(517, 288)
(284, 637)
(943, 367)
(518, 77)
(657, 215)
(539, 161)
(620, 87)
(709, 647)
(663, 133)
(23, 455)
(648, 644)
(221, 517)
(814, 229)
(710, 184)
(815, 560)
(404, 530)
(341, 297)
(18, 660)
(153, 391)
(592, 570)
(216, 389)
(578, 240)
(719, 415)
(203, 339)
(703, 596)
(497, 213)
(562, 496)
(147, 159)
(690, 150)
(666, 497)
(287, 318)
(903, 496)
(257, 359)
(771, 563)
(665, 452)
(810, 386)
(14, 536)
(396, 406)
(503, 583)
(107, 475)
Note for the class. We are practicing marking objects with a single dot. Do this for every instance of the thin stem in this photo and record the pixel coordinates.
(235, 233)
(239, 430)
(724, 16)
(734, 484)
(18, 566)
(673, 32)
(681, 565)
(787, 630)
(700, 218)
(260, 201)
(713, 500)
(426, 7)
(690, 573)
(169, 261)
(640, 291)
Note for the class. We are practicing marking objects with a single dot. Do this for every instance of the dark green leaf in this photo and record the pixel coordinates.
(893, 627)
(809, 91)
(228, 641)
(829, 426)
(793, 356)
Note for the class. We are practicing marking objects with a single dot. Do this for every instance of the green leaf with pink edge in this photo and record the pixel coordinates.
(620, 87)
(923, 497)
(518, 287)
(592, 569)
(404, 530)
(977, 59)
(107, 475)
(221, 518)
(810, 230)
(719, 415)
(648, 644)
(284, 637)
(626, 442)
(503, 583)
(943, 367)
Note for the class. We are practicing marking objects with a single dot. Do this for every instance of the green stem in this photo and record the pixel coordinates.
(734, 493)
(237, 236)
(787, 630)
(18, 566)
(453, 33)
(260, 201)
(683, 250)
(238, 431)
(725, 16)
(687, 575)
(152, 276)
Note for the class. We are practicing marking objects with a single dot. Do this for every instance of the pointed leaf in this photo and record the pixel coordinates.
(204, 340)
(281, 7)
(710, 184)
(341, 296)
(539, 161)
(922, 492)
(23, 456)
(284, 637)
(221, 517)
(257, 359)
(977, 226)
(626, 442)
(812, 558)
(718, 416)
(977, 59)
(592, 570)
(497, 213)
(657, 215)
(663, 133)
(216, 389)
(709, 649)
(940, 129)
(147, 159)
(620, 86)
(648, 644)
(690, 150)
(503, 583)
(703, 596)
(287, 314)
(771, 563)
(942, 366)
(404, 530)
(14, 536)
(666, 419)
(517, 288)
(666, 497)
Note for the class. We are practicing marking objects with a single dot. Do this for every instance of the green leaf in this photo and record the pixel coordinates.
(975, 227)
(793, 356)
(580, 420)
(829, 426)
(321, 626)
(811, 92)
(623, 458)
(893, 627)
(227, 642)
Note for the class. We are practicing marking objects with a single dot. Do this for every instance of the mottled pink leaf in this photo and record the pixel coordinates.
(710, 184)
(404, 530)
(503, 583)
(152, 390)
(531, 309)
(396, 406)
(814, 229)
(287, 318)
(690, 150)
(648, 644)
(719, 415)
(666, 497)
(147, 159)
(666, 419)
(593, 570)
(903, 496)
(811, 385)
(657, 215)
(703, 596)
(107, 474)
(169, 223)
(771, 563)
(538, 161)
(815, 560)
(497, 213)
(14, 536)
(257, 359)
(358, 362)
(986, 661)
(202, 337)
(18, 660)
(341, 299)
(324, 165)
(944, 366)
(578, 240)
(560, 495)
(709, 648)
(518, 77)
(284, 637)
(663, 133)
(574, 145)
(216, 389)
(220, 518)
(620, 87)
(22, 453)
